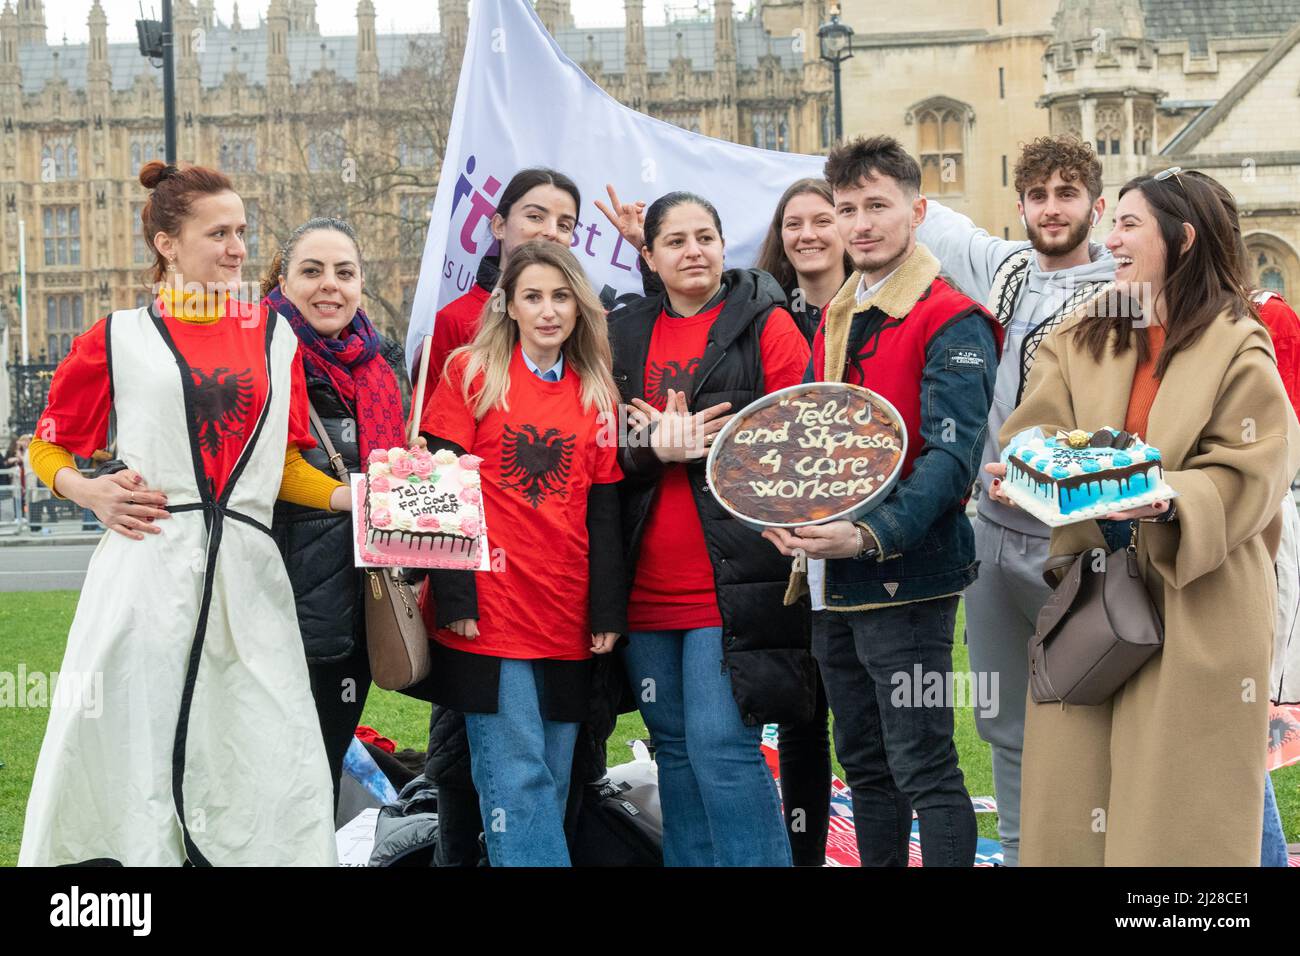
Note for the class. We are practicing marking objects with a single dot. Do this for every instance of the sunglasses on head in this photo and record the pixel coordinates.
(1171, 173)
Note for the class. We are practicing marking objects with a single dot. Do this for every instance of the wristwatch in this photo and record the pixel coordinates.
(866, 547)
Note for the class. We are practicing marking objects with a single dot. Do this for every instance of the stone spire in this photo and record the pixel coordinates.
(453, 25)
(31, 22)
(98, 70)
(207, 14)
(10, 75)
(367, 53)
(277, 51)
(302, 17)
(635, 55)
(234, 18)
(724, 67)
(555, 14)
(186, 20)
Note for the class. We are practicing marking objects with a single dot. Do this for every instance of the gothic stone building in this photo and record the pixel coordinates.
(1202, 84)
(254, 99)
(1151, 83)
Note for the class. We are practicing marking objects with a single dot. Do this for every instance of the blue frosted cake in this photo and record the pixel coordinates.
(1082, 475)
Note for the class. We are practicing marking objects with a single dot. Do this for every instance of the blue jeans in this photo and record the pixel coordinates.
(1273, 852)
(521, 765)
(719, 800)
(894, 742)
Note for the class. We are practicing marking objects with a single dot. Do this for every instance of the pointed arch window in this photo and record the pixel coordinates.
(1110, 131)
(942, 126)
(59, 158)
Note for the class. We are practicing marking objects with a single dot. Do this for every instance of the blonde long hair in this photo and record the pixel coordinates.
(586, 351)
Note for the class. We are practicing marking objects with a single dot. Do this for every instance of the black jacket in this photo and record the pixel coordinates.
(765, 643)
(317, 545)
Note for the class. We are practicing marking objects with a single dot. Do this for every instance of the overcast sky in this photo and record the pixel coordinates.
(68, 17)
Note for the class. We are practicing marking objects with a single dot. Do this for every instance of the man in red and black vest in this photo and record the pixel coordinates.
(885, 589)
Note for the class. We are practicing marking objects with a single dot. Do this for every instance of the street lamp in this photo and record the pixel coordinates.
(836, 40)
(155, 41)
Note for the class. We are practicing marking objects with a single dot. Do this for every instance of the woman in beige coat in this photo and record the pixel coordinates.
(1170, 771)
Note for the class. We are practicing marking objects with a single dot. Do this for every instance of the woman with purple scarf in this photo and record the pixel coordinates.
(315, 283)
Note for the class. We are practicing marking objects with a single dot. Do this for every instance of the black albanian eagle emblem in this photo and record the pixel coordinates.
(675, 375)
(536, 464)
(222, 402)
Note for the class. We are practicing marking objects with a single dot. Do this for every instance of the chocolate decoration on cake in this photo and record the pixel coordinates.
(806, 454)
(1108, 438)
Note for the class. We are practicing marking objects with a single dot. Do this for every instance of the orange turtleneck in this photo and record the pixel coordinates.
(1145, 384)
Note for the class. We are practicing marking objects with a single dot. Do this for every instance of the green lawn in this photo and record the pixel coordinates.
(33, 628)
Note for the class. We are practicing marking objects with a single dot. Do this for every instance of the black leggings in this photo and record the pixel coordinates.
(805, 757)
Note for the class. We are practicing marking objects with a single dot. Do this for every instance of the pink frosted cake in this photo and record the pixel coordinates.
(421, 509)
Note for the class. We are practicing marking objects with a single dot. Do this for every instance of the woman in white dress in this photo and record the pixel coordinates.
(204, 746)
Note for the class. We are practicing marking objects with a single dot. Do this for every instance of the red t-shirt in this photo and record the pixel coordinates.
(540, 458)
(227, 362)
(1284, 328)
(455, 325)
(674, 587)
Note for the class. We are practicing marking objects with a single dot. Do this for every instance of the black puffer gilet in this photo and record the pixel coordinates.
(765, 643)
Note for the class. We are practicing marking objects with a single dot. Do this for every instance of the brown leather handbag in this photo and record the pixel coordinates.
(1096, 630)
(395, 635)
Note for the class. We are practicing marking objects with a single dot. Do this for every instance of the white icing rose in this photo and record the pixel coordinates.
(470, 479)
(444, 456)
(394, 454)
(404, 521)
(378, 500)
(380, 469)
(451, 524)
(1075, 468)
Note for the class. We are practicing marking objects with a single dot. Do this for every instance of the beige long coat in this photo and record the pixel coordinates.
(1170, 772)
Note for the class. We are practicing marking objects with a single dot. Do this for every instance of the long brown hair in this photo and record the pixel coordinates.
(173, 190)
(586, 351)
(771, 257)
(1200, 283)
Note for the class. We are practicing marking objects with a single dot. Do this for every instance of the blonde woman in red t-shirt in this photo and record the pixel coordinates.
(532, 396)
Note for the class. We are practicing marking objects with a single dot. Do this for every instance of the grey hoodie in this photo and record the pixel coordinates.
(970, 258)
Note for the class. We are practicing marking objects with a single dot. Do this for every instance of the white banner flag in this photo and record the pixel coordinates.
(521, 102)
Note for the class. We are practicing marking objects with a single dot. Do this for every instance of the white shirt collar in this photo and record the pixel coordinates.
(557, 368)
(864, 292)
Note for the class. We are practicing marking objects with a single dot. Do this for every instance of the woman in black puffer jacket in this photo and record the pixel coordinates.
(713, 652)
(315, 283)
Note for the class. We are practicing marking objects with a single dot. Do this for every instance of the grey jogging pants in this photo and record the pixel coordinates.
(1001, 609)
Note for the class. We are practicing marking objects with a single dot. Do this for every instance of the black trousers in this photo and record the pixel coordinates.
(893, 733)
(804, 751)
(340, 689)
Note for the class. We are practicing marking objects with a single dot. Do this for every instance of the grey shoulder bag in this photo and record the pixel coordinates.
(1096, 630)
(397, 642)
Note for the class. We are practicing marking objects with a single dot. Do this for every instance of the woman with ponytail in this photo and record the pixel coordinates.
(192, 739)
(315, 283)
